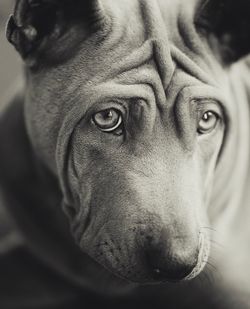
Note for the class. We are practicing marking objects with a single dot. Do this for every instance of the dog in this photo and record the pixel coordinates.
(125, 155)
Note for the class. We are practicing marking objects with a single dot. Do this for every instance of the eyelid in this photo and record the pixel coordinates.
(118, 105)
(203, 106)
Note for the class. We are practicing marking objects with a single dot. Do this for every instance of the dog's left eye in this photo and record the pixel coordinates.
(207, 122)
(109, 120)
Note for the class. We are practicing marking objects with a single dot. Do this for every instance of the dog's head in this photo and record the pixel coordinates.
(129, 103)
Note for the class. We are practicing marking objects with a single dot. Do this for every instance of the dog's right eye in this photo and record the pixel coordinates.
(109, 121)
(207, 122)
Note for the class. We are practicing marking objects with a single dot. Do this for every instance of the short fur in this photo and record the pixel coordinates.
(115, 218)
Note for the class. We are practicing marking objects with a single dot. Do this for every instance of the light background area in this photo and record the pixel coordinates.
(10, 69)
(10, 62)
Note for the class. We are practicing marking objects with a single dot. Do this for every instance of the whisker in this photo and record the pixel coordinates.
(210, 259)
(207, 277)
(211, 265)
(209, 228)
(201, 279)
(212, 276)
(212, 241)
(213, 270)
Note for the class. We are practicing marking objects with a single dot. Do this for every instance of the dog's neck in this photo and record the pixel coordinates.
(232, 176)
(230, 203)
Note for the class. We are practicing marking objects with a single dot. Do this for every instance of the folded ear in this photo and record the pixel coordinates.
(227, 26)
(37, 25)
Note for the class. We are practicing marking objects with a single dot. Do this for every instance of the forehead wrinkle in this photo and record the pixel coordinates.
(190, 41)
(133, 70)
(165, 54)
(156, 32)
(188, 33)
(190, 67)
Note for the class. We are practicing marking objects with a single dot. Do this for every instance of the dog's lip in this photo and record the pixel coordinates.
(204, 249)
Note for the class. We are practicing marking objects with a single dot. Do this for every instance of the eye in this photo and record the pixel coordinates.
(207, 122)
(108, 120)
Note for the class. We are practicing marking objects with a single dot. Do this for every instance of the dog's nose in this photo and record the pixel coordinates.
(172, 259)
(170, 267)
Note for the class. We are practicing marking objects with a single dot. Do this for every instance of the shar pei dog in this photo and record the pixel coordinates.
(124, 161)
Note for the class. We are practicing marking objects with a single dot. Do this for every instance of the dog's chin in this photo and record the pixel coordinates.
(143, 278)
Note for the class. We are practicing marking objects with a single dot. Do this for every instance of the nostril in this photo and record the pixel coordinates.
(172, 274)
(167, 267)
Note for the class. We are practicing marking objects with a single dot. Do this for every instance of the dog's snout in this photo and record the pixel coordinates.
(171, 259)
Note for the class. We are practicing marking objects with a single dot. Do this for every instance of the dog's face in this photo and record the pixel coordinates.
(122, 103)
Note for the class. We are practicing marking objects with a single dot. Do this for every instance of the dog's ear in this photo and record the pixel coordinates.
(37, 23)
(227, 26)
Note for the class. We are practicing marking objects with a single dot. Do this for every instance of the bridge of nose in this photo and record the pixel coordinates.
(166, 183)
(168, 198)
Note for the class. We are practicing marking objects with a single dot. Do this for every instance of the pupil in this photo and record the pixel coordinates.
(206, 116)
(109, 115)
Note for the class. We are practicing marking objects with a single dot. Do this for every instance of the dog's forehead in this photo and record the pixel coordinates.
(166, 27)
(155, 19)
(169, 9)
(147, 41)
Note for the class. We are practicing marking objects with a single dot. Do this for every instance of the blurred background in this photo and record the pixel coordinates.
(10, 69)
(10, 63)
